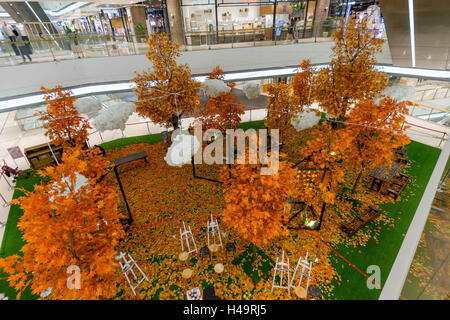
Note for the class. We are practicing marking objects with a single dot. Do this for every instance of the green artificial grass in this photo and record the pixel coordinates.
(264, 271)
(155, 138)
(123, 142)
(259, 124)
(353, 284)
(12, 238)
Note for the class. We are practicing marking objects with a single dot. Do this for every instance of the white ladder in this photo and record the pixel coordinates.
(282, 267)
(306, 271)
(213, 230)
(185, 235)
(127, 266)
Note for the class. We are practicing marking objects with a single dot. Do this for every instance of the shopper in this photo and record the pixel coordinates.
(290, 33)
(23, 43)
(8, 32)
(298, 26)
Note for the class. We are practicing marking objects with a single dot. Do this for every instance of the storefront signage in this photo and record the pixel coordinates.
(15, 153)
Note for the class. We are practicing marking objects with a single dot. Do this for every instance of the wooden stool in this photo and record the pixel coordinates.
(300, 292)
(183, 257)
(187, 274)
(218, 268)
(230, 247)
(315, 292)
(205, 252)
(213, 248)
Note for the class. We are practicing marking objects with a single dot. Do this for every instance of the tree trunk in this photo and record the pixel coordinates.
(175, 122)
(72, 245)
(337, 123)
(357, 181)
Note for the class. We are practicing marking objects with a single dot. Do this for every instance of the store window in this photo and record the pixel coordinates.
(199, 15)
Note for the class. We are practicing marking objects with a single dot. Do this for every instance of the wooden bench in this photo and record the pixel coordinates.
(361, 221)
(131, 157)
(401, 156)
(398, 185)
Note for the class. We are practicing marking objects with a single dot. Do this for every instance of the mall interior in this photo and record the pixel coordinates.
(95, 48)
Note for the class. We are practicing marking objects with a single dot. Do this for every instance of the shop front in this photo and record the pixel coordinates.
(224, 21)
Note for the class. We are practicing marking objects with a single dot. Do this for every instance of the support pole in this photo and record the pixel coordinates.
(321, 215)
(217, 22)
(123, 194)
(274, 32)
(9, 185)
(306, 19)
(193, 168)
(6, 203)
(318, 252)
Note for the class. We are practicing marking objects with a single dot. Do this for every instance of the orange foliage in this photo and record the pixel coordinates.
(222, 111)
(324, 151)
(63, 123)
(374, 131)
(78, 224)
(351, 76)
(282, 107)
(302, 83)
(167, 92)
(255, 203)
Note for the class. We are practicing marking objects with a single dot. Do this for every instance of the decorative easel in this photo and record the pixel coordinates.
(185, 235)
(306, 271)
(282, 267)
(127, 266)
(213, 230)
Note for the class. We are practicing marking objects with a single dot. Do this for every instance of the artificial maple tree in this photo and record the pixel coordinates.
(322, 155)
(302, 84)
(167, 92)
(222, 111)
(255, 204)
(63, 123)
(351, 75)
(374, 131)
(282, 107)
(72, 217)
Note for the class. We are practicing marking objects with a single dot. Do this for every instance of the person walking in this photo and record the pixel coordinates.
(23, 44)
(8, 32)
(290, 33)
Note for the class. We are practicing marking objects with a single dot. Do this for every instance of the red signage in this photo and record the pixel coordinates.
(15, 153)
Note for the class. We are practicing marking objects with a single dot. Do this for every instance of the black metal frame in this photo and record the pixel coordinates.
(322, 211)
(204, 178)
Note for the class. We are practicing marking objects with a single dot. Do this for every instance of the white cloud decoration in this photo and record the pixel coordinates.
(304, 120)
(89, 106)
(183, 147)
(80, 182)
(252, 89)
(114, 116)
(213, 87)
(398, 92)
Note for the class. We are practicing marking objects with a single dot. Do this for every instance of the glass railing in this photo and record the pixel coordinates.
(430, 113)
(57, 47)
(428, 275)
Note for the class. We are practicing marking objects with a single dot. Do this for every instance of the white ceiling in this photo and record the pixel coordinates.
(97, 1)
(88, 7)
